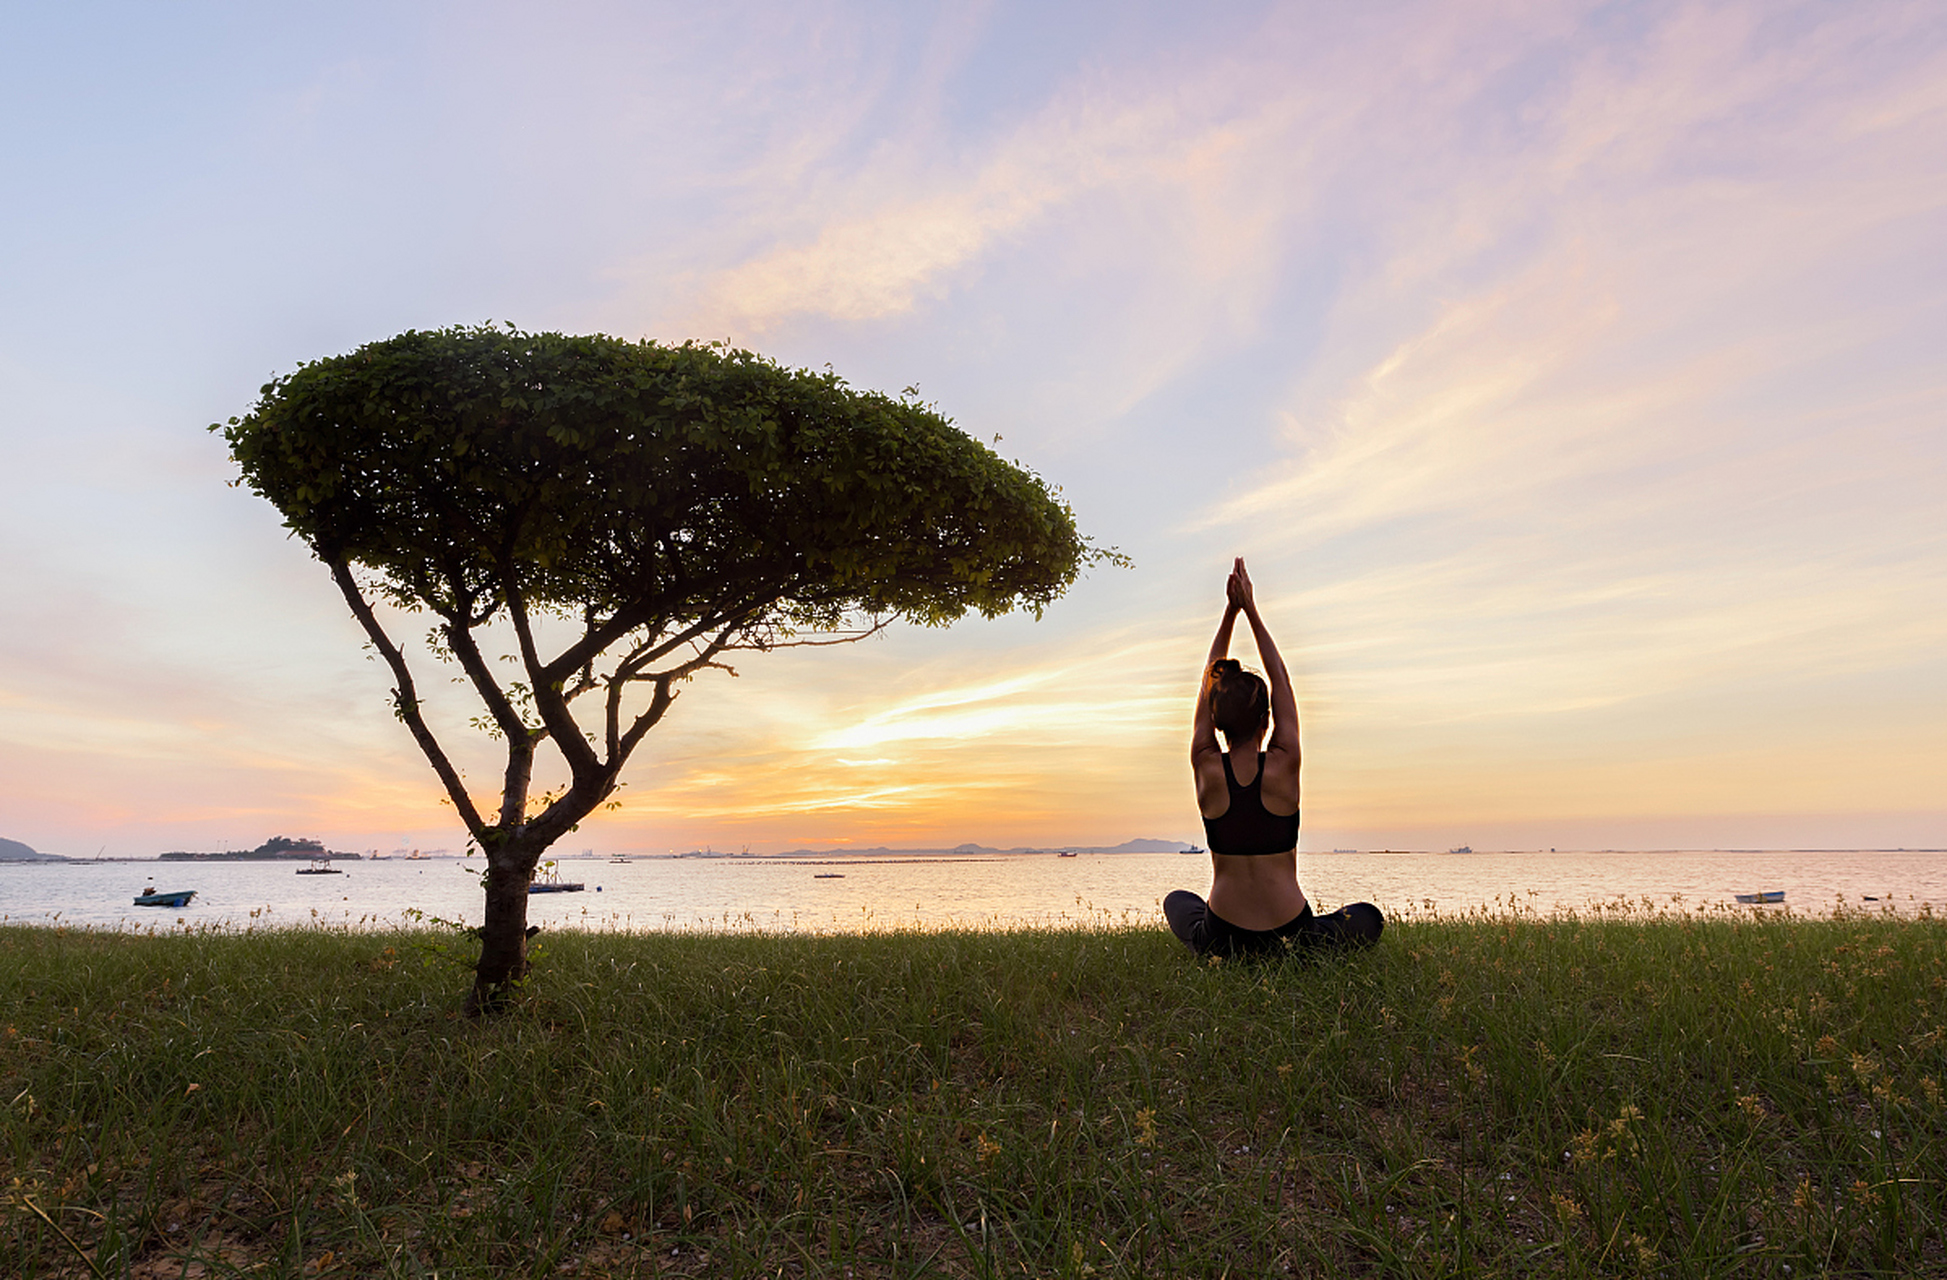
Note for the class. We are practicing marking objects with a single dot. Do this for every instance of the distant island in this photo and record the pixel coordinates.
(275, 849)
(15, 851)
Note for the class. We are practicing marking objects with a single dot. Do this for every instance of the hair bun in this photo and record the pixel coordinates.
(1240, 704)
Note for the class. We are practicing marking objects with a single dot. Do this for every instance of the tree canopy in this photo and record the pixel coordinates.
(656, 482)
(670, 502)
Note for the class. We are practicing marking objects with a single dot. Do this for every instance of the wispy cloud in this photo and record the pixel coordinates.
(1569, 374)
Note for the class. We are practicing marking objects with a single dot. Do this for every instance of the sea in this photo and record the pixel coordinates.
(861, 893)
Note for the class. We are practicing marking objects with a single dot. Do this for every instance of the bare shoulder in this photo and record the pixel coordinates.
(1281, 768)
(1213, 793)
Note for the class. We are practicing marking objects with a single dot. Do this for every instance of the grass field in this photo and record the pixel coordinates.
(1638, 1091)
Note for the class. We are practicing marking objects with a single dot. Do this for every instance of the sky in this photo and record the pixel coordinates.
(1571, 376)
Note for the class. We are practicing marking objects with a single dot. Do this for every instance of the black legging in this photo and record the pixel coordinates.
(1209, 934)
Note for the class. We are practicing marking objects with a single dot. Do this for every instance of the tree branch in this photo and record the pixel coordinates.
(665, 694)
(519, 775)
(459, 639)
(825, 640)
(406, 701)
(548, 699)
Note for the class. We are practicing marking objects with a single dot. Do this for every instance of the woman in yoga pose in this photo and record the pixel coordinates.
(1249, 798)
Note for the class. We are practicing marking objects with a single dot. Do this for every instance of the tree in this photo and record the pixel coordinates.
(658, 506)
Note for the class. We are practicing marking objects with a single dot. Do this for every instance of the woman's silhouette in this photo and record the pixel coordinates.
(1249, 798)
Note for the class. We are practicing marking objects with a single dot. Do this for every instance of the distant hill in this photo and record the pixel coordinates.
(275, 849)
(15, 851)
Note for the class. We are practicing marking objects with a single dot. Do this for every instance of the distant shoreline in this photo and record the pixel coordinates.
(252, 855)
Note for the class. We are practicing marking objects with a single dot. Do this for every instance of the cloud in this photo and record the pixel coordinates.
(1595, 426)
(901, 232)
(1568, 373)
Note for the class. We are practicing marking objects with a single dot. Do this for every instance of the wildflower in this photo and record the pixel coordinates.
(1827, 1046)
(1931, 1088)
(986, 1148)
(1803, 1198)
(1566, 1209)
(1586, 1147)
(1864, 1067)
(1751, 1105)
(1145, 1127)
(1864, 1195)
(1284, 1069)
(342, 1184)
(1645, 1255)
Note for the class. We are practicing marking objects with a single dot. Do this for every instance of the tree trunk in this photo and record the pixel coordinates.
(504, 935)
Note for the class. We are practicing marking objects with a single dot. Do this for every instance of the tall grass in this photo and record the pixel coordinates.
(1629, 1092)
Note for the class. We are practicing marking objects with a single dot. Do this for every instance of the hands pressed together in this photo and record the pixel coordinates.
(1238, 588)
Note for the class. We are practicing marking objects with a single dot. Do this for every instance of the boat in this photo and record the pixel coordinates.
(1068, 853)
(1193, 849)
(619, 860)
(1763, 895)
(828, 875)
(549, 881)
(320, 867)
(1461, 849)
(150, 898)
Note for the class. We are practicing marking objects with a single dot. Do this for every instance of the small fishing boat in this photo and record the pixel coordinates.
(549, 881)
(1068, 853)
(1461, 849)
(150, 898)
(1763, 895)
(320, 867)
(828, 875)
(1193, 849)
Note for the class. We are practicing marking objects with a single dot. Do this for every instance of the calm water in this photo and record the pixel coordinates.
(1008, 890)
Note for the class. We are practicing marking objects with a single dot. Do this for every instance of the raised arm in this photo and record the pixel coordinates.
(1206, 753)
(1203, 731)
(1284, 702)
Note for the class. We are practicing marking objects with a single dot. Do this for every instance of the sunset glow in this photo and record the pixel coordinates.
(1570, 375)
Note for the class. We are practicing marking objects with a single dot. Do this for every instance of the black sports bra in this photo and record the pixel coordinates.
(1247, 828)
